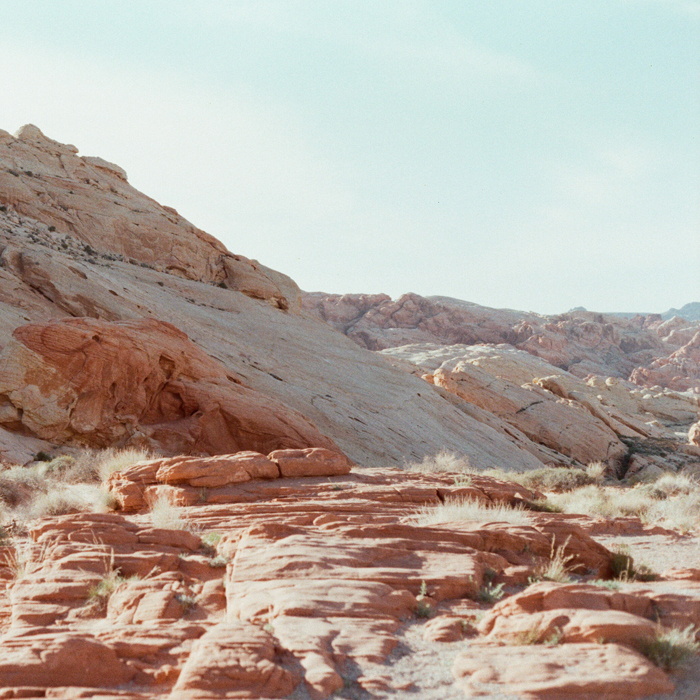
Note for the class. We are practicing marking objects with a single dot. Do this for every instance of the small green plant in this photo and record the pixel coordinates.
(186, 601)
(536, 635)
(557, 568)
(490, 593)
(423, 608)
(462, 481)
(671, 648)
(624, 569)
(211, 539)
(610, 585)
(43, 457)
(102, 591)
(218, 562)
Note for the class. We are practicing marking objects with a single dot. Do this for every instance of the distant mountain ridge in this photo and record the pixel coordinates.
(689, 311)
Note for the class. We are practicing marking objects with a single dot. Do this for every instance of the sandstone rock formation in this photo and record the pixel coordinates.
(580, 342)
(91, 200)
(71, 261)
(310, 583)
(93, 383)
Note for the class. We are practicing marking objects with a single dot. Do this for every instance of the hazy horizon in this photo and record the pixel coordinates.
(526, 155)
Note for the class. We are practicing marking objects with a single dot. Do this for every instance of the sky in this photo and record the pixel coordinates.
(530, 154)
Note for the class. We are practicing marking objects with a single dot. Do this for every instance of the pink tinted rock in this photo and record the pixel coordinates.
(549, 595)
(694, 434)
(314, 461)
(445, 628)
(235, 659)
(220, 470)
(90, 382)
(62, 659)
(566, 672)
(574, 625)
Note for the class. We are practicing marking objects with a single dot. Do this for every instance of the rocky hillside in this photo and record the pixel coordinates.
(647, 350)
(77, 241)
(254, 540)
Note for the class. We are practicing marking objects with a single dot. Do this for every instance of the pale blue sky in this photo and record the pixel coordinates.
(528, 154)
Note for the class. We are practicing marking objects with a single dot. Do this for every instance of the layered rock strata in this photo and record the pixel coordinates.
(308, 583)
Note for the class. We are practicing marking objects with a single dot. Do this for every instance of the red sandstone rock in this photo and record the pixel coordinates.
(89, 382)
(91, 199)
(62, 659)
(235, 659)
(314, 461)
(567, 672)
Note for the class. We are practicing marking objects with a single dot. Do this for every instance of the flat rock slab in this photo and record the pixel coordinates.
(567, 672)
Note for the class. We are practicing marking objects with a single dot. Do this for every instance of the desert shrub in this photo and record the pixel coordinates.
(675, 504)
(468, 510)
(557, 568)
(443, 461)
(114, 460)
(554, 479)
(597, 471)
(535, 634)
(624, 567)
(187, 601)
(671, 648)
(490, 592)
(164, 514)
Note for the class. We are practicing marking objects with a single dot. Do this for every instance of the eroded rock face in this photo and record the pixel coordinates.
(90, 199)
(534, 672)
(313, 581)
(646, 349)
(94, 383)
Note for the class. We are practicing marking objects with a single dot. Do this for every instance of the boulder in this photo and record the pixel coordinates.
(567, 672)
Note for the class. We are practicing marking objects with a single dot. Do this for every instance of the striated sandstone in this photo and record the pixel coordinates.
(322, 574)
(580, 342)
(91, 200)
(88, 382)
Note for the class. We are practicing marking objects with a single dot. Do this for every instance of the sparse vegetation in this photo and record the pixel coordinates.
(470, 510)
(555, 479)
(66, 483)
(187, 601)
(490, 593)
(624, 568)
(557, 568)
(164, 514)
(671, 648)
(535, 634)
(443, 461)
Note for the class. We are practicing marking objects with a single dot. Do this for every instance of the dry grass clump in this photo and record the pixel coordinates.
(672, 501)
(556, 479)
(443, 461)
(671, 648)
(164, 514)
(558, 567)
(62, 484)
(469, 510)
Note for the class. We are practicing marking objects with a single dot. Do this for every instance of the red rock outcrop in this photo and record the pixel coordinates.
(679, 371)
(606, 671)
(556, 423)
(314, 580)
(91, 200)
(93, 383)
(580, 342)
